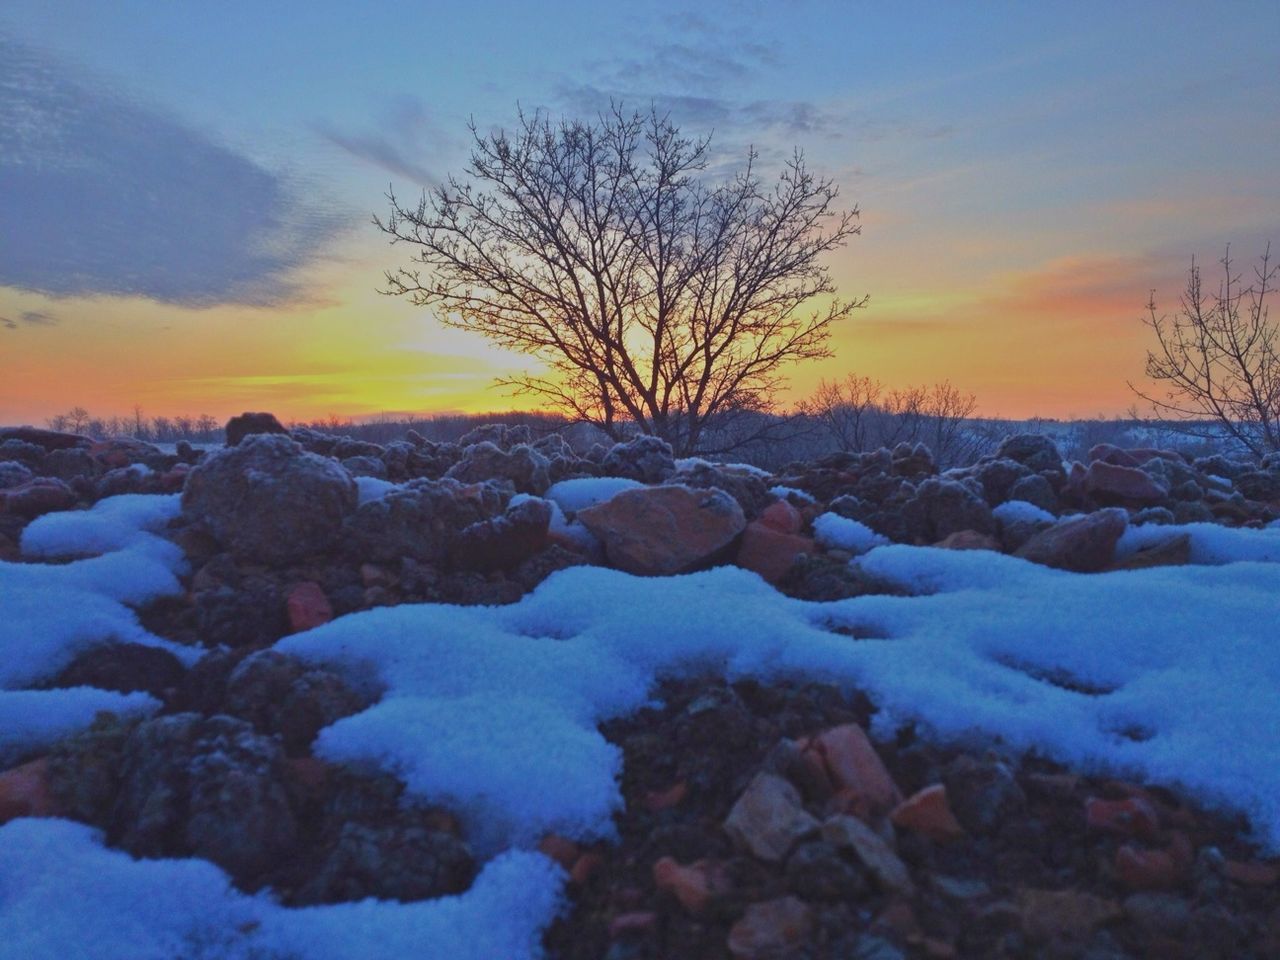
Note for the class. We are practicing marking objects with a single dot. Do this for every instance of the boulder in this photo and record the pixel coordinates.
(501, 435)
(1262, 485)
(1035, 489)
(1083, 544)
(943, 506)
(207, 787)
(645, 458)
(1034, 451)
(269, 501)
(307, 606)
(657, 531)
(14, 474)
(769, 819)
(69, 463)
(748, 489)
(522, 465)
(37, 497)
(46, 440)
(998, 477)
(124, 667)
(248, 424)
(912, 460)
(1174, 552)
(506, 541)
(362, 466)
(771, 552)
(420, 520)
(1109, 483)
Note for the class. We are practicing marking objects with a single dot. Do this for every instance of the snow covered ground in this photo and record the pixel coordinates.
(1165, 674)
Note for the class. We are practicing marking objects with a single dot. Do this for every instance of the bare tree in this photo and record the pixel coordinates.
(846, 409)
(658, 302)
(1218, 359)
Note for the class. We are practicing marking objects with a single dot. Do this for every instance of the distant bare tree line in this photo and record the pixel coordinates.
(160, 429)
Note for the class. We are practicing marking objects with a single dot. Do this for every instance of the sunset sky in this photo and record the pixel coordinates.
(186, 188)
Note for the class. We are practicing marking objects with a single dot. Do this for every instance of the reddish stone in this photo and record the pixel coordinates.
(768, 818)
(673, 796)
(37, 497)
(695, 885)
(782, 517)
(771, 930)
(928, 813)
(560, 849)
(1148, 869)
(172, 481)
(630, 924)
(1131, 817)
(969, 540)
(1109, 453)
(584, 867)
(308, 606)
(1254, 874)
(853, 765)
(1084, 544)
(120, 451)
(1109, 483)
(24, 792)
(771, 553)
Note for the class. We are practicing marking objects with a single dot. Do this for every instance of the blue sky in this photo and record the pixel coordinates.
(195, 181)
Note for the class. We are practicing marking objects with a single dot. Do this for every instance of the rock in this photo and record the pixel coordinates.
(1054, 916)
(1131, 817)
(47, 440)
(248, 424)
(1108, 483)
(1032, 450)
(242, 615)
(24, 792)
(1035, 489)
(912, 461)
(1110, 453)
(118, 452)
(645, 458)
(124, 667)
(751, 492)
(943, 506)
(1083, 544)
(768, 819)
(695, 886)
(1219, 466)
(37, 497)
(1259, 485)
(284, 696)
(269, 501)
(817, 870)
(770, 552)
(864, 787)
(1158, 914)
(1251, 874)
(420, 520)
(347, 448)
(872, 851)
(506, 541)
(522, 465)
(1192, 512)
(365, 467)
(208, 787)
(69, 464)
(782, 517)
(1174, 552)
(397, 861)
(928, 813)
(657, 531)
(1140, 869)
(501, 435)
(969, 540)
(983, 793)
(308, 606)
(13, 474)
(998, 478)
(772, 930)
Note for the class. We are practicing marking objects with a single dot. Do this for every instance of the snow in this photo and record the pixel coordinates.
(1165, 675)
(574, 495)
(33, 719)
(1019, 511)
(783, 493)
(52, 613)
(1210, 542)
(64, 897)
(836, 532)
(686, 464)
(373, 488)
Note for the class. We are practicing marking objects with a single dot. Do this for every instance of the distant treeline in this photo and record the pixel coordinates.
(834, 420)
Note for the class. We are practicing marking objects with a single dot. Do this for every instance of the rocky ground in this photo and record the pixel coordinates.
(760, 821)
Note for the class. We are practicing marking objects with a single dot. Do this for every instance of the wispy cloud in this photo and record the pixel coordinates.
(32, 318)
(106, 195)
(406, 142)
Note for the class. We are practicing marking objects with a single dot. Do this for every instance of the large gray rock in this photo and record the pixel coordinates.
(204, 786)
(998, 478)
(656, 531)
(644, 458)
(267, 500)
(942, 506)
(522, 465)
(13, 474)
(248, 424)
(1034, 451)
(506, 541)
(421, 520)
